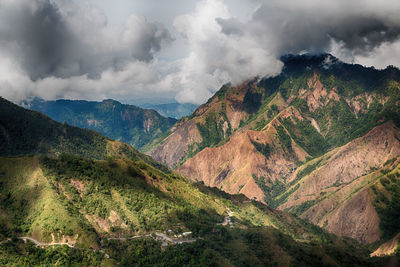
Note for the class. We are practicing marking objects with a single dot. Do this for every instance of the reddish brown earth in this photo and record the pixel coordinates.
(347, 211)
(340, 206)
(185, 134)
(232, 165)
(176, 145)
(334, 195)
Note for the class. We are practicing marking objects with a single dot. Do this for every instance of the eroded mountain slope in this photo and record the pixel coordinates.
(318, 130)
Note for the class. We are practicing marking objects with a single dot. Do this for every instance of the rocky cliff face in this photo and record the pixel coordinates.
(312, 141)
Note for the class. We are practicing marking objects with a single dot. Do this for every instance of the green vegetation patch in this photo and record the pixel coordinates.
(386, 201)
(264, 149)
(285, 139)
(305, 135)
(212, 131)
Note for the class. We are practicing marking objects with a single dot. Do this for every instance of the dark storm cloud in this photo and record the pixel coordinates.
(37, 37)
(312, 26)
(63, 39)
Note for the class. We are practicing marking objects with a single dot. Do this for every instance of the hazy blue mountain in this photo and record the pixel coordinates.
(173, 110)
(127, 123)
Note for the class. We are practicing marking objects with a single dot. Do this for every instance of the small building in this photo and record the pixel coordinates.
(185, 234)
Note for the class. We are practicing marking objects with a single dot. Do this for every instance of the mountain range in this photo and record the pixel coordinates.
(127, 123)
(85, 199)
(172, 110)
(300, 169)
(321, 141)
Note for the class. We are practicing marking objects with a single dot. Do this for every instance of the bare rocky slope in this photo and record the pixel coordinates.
(316, 141)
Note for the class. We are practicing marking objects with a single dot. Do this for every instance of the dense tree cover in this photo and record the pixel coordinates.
(212, 130)
(271, 190)
(18, 254)
(127, 123)
(286, 141)
(252, 101)
(24, 132)
(306, 136)
(387, 195)
(261, 246)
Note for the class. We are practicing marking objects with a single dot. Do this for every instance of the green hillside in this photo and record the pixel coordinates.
(81, 201)
(25, 132)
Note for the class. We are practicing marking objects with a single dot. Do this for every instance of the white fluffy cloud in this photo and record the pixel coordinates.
(215, 57)
(380, 57)
(64, 39)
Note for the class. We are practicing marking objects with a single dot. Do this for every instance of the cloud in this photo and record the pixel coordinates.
(54, 49)
(65, 39)
(67, 49)
(313, 26)
(216, 57)
(380, 57)
(223, 48)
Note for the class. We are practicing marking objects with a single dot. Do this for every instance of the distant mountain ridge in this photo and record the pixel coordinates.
(127, 123)
(25, 132)
(173, 110)
(318, 140)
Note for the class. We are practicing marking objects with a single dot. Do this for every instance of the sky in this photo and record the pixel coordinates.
(178, 50)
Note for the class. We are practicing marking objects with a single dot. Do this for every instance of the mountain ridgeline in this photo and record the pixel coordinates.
(24, 132)
(321, 140)
(126, 123)
(87, 200)
(173, 110)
